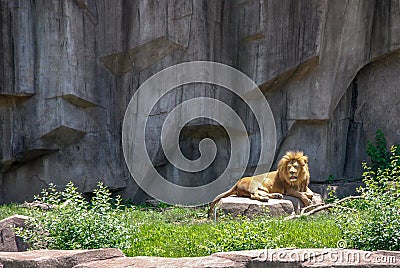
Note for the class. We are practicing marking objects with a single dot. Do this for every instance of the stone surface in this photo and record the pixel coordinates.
(248, 207)
(56, 258)
(298, 205)
(9, 242)
(328, 257)
(274, 207)
(341, 189)
(209, 261)
(38, 204)
(68, 69)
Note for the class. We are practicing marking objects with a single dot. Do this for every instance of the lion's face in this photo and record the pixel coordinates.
(293, 168)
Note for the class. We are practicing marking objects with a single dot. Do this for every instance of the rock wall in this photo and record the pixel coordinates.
(68, 69)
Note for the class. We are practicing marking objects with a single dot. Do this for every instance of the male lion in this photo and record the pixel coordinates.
(291, 178)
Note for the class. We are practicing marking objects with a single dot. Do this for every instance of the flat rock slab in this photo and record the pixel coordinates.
(102, 258)
(56, 258)
(244, 206)
(9, 242)
(208, 261)
(274, 207)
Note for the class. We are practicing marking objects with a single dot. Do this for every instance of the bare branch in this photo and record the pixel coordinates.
(319, 207)
(348, 198)
(310, 207)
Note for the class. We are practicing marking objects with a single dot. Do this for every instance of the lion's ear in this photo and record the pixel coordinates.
(305, 159)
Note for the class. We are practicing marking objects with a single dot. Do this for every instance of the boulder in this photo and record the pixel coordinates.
(37, 204)
(8, 240)
(234, 206)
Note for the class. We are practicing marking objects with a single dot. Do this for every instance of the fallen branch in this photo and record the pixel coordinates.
(319, 207)
(348, 198)
(311, 207)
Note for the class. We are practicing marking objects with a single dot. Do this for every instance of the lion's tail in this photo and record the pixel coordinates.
(231, 191)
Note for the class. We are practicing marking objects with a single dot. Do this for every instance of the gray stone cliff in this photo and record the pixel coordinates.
(330, 71)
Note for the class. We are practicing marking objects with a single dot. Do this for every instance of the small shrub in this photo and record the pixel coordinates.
(331, 179)
(332, 197)
(378, 152)
(377, 224)
(76, 223)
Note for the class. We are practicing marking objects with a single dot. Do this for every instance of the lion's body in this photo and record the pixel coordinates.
(291, 178)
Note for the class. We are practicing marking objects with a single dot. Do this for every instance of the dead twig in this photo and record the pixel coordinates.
(348, 198)
(311, 207)
(310, 210)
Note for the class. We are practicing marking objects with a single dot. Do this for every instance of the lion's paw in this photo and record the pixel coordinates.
(277, 196)
(307, 202)
(310, 196)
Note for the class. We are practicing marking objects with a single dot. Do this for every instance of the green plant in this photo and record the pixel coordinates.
(377, 223)
(378, 152)
(331, 179)
(75, 223)
(331, 194)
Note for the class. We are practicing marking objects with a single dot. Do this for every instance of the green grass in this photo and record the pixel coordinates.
(186, 232)
(183, 232)
(9, 210)
(314, 232)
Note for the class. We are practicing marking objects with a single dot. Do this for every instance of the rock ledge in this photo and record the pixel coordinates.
(274, 207)
(253, 258)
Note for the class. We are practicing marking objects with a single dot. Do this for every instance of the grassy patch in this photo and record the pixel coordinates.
(9, 210)
(186, 232)
(183, 233)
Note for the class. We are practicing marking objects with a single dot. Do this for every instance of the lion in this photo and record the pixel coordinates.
(291, 178)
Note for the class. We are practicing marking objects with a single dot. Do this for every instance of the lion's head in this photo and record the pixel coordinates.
(293, 169)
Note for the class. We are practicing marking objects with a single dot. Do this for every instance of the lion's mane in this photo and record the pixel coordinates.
(304, 176)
